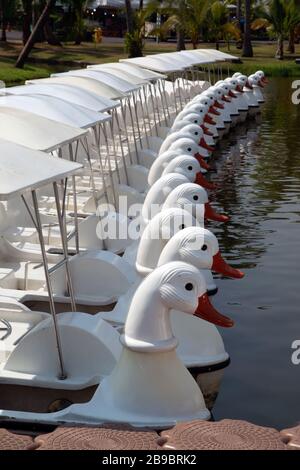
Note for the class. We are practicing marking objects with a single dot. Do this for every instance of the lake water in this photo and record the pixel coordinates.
(259, 171)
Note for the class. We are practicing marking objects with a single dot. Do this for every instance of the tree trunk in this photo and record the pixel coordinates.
(247, 45)
(27, 19)
(50, 36)
(239, 12)
(129, 17)
(180, 40)
(217, 45)
(3, 21)
(38, 27)
(279, 52)
(291, 46)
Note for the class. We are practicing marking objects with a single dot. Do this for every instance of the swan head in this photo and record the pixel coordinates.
(254, 80)
(193, 130)
(158, 193)
(226, 90)
(199, 247)
(188, 196)
(186, 146)
(190, 118)
(234, 82)
(159, 230)
(196, 107)
(201, 107)
(207, 99)
(189, 167)
(176, 285)
(242, 80)
(196, 133)
(194, 199)
(218, 92)
(262, 77)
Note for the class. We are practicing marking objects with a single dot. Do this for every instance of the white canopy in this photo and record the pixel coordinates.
(196, 59)
(55, 109)
(123, 74)
(23, 169)
(133, 69)
(86, 83)
(177, 58)
(35, 132)
(103, 77)
(216, 55)
(154, 63)
(68, 93)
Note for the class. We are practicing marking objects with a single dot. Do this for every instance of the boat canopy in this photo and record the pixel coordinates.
(68, 93)
(124, 74)
(103, 77)
(55, 109)
(23, 169)
(36, 132)
(196, 59)
(218, 56)
(154, 63)
(132, 69)
(86, 83)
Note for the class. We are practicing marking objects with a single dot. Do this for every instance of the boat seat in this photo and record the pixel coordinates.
(14, 326)
(22, 276)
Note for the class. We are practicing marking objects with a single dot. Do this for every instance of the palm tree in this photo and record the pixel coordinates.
(279, 17)
(50, 4)
(247, 45)
(27, 19)
(292, 23)
(187, 17)
(219, 25)
(196, 15)
(7, 10)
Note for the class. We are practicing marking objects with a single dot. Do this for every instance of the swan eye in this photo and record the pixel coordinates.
(190, 168)
(189, 286)
(195, 198)
(189, 149)
(181, 227)
(196, 133)
(204, 248)
(195, 121)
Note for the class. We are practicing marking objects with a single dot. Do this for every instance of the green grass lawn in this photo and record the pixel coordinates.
(45, 59)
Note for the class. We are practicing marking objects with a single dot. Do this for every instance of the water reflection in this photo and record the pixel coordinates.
(258, 168)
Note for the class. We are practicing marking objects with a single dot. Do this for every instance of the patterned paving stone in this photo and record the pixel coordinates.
(11, 441)
(108, 437)
(225, 434)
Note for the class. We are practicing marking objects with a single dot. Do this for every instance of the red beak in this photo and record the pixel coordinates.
(205, 145)
(207, 311)
(218, 105)
(231, 94)
(202, 162)
(203, 182)
(260, 83)
(205, 130)
(226, 99)
(249, 86)
(265, 80)
(220, 266)
(213, 111)
(209, 213)
(239, 88)
(209, 120)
